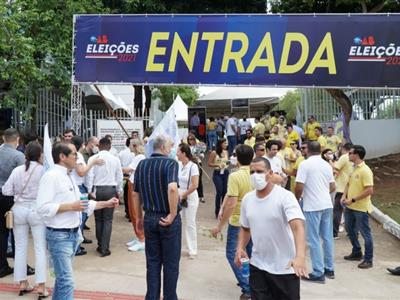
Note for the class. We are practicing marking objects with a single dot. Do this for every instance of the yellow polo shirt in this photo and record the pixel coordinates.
(282, 130)
(309, 130)
(322, 141)
(239, 184)
(273, 121)
(360, 178)
(333, 142)
(345, 167)
(250, 142)
(259, 128)
(299, 160)
(292, 137)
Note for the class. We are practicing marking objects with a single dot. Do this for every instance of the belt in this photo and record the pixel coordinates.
(63, 229)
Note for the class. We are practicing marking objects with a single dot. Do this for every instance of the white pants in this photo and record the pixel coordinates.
(25, 217)
(189, 224)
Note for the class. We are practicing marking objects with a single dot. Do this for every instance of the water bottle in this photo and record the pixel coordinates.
(245, 267)
(84, 202)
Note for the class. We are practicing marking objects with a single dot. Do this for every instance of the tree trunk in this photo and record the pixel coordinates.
(138, 101)
(344, 101)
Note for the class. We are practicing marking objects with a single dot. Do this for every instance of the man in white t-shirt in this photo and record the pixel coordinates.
(244, 125)
(231, 133)
(272, 147)
(272, 218)
(315, 182)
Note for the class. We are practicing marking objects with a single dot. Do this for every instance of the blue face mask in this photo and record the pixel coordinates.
(172, 154)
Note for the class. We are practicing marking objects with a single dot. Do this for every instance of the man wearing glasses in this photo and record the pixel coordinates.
(357, 198)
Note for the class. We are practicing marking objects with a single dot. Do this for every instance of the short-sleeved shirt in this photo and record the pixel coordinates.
(345, 167)
(292, 137)
(229, 131)
(212, 125)
(9, 160)
(276, 164)
(244, 125)
(322, 141)
(185, 174)
(239, 184)
(310, 130)
(259, 128)
(136, 160)
(282, 132)
(268, 219)
(360, 178)
(333, 142)
(250, 142)
(152, 177)
(316, 175)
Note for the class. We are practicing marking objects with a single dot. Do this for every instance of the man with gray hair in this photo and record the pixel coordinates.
(10, 158)
(156, 192)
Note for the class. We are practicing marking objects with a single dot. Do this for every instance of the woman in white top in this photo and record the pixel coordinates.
(23, 184)
(188, 181)
(137, 243)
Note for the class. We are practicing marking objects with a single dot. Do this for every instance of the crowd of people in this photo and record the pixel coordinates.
(278, 189)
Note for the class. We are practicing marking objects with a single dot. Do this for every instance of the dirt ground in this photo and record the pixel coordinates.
(387, 184)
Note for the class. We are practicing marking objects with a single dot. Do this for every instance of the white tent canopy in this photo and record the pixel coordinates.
(181, 109)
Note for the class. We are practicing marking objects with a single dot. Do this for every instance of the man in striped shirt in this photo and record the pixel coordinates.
(156, 192)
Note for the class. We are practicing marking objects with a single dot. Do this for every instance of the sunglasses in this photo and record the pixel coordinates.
(260, 150)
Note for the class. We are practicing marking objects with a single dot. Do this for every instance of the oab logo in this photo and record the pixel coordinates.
(366, 49)
(100, 47)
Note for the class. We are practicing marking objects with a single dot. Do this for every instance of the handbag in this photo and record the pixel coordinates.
(9, 214)
(184, 202)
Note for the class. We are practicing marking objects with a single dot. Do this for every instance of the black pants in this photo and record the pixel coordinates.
(266, 286)
(104, 217)
(337, 213)
(6, 202)
(126, 202)
(200, 186)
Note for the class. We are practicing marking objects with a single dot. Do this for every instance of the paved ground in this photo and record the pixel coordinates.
(122, 275)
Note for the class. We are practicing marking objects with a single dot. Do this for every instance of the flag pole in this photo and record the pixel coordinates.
(110, 109)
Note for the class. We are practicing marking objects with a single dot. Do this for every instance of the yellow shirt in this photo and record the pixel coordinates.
(212, 125)
(345, 167)
(309, 130)
(360, 178)
(239, 184)
(322, 141)
(292, 137)
(273, 121)
(274, 136)
(282, 131)
(299, 160)
(333, 142)
(259, 128)
(250, 142)
(287, 154)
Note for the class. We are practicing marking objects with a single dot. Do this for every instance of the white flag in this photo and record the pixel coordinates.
(167, 127)
(47, 157)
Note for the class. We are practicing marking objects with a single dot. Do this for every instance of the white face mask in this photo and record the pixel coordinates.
(330, 156)
(95, 150)
(233, 160)
(258, 181)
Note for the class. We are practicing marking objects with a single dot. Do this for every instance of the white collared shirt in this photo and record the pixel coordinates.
(80, 161)
(108, 174)
(19, 178)
(276, 164)
(57, 187)
(126, 157)
(138, 158)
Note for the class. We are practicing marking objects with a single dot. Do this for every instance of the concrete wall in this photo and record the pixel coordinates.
(379, 137)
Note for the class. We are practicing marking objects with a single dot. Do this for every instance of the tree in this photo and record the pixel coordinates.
(336, 6)
(289, 103)
(167, 95)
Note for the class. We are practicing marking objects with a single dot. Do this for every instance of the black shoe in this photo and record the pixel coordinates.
(81, 252)
(245, 296)
(98, 249)
(81, 248)
(30, 270)
(354, 256)
(329, 274)
(365, 264)
(6, 271)
(313, 278)
(10, 254)
(395, 271)
(105, 253)
(86, 227)
(87, 241)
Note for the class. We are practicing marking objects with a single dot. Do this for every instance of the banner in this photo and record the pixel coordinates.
(268, 50)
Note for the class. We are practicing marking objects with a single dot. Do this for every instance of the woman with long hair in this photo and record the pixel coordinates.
(219, 160)
(188, 180)
(23, 184)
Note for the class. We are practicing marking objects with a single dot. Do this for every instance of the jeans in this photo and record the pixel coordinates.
(221, 185)
(357, 221)
(62, 246)
(232, 142)
(231, 245)
(163, 250)
(337, 213)
(25, 218)
(211, 139)
(83, 190)
(319, 227)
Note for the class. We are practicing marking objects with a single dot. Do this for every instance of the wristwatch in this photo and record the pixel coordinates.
(353, 200)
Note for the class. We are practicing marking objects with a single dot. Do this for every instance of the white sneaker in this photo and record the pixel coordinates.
(131, 243)
(139, 246)
(341, 228)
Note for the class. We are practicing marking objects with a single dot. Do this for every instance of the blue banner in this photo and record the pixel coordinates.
(268, 50)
